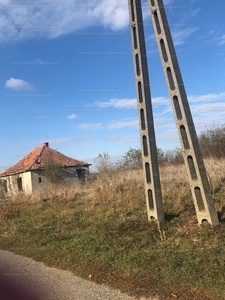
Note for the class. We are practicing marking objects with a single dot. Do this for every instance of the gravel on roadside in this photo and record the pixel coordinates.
(23, 278)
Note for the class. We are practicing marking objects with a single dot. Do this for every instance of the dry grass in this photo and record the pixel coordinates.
(101, 229)
(128, 187)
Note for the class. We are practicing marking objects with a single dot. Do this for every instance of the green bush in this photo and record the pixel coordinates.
(131, 160)
(53, 171)
(212, 142)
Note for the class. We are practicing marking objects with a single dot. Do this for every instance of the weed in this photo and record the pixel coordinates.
(100, 232)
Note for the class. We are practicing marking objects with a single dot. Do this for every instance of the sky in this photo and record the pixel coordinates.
(67, 75)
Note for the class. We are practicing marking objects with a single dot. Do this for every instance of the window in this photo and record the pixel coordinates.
(5, 186)
(19, 184)
(81, 175)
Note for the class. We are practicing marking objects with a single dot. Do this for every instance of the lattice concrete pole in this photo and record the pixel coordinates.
(201, 193)
(147, 132)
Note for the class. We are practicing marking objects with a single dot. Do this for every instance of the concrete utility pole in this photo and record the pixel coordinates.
(201, 193)
(147, 132)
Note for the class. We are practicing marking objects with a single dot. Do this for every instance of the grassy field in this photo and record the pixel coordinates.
(100, 232)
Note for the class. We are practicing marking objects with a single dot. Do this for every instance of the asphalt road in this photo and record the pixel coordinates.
(22, 278)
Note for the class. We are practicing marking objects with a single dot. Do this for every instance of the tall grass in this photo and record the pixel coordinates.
(100, 231)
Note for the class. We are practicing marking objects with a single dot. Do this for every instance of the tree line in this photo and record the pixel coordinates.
(211, 141)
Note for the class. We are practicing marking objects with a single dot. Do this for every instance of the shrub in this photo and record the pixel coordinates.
(173, 157)
(212, 142)
(131, 160)
(53, 171)
(103, 163)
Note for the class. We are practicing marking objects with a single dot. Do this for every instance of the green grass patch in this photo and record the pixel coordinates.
(111, 242)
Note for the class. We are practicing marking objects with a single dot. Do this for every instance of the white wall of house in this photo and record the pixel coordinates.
(70, 175)
(18, 183)
(35, 180)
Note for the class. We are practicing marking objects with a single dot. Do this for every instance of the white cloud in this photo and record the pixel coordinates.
(18, 84)
(128, 138)
(206, 110)
(90, 126)
(160, 101)
(180, 36)
(128, 103)
(163, 122)
(113, 14)
(117, 103)
(5, 2)
(71, 117)
(50, 19)
(195, 12)
(221, 39)
(166, 2)
(125, 123)
(206, 98)
(145, 10)
(59, 140)
(209, 109)
(168, 136)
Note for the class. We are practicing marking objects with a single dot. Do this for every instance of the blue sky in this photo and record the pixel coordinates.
(67, 75)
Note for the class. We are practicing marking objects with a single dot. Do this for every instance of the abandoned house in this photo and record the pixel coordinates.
(29, 174)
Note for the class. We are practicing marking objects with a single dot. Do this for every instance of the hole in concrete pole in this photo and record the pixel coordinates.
(140, 92)
(199, 199)
(157, 22)
(142, 119)
(150, 200)
(147, 172)
(135, 37)
(163, 48)
(170, 78)
(204, 222)
(177, 108)
(152, 218)
(152, 2)
(192, 167)
(132, 10)
(145, 146)
(137, 65)
(184, 137)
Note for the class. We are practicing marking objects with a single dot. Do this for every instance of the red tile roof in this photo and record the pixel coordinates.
(37, 157)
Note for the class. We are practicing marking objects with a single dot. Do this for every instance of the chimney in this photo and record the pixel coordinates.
(46, 144)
